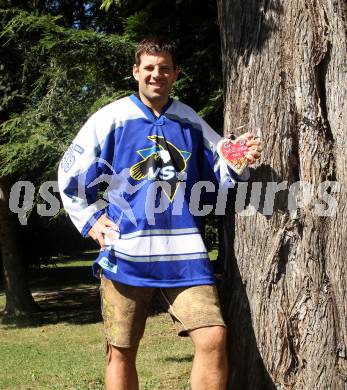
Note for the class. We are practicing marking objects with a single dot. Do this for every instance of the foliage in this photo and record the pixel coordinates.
(106, 4)
(62, 72)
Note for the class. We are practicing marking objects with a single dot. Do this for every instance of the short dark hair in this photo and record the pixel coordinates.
(154, 45)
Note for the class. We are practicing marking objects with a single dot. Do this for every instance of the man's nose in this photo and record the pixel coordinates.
(156, 71)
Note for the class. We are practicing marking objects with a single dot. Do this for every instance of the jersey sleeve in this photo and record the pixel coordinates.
(224, 175)
(78, 171)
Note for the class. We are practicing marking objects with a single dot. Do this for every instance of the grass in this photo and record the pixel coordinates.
(62, 346)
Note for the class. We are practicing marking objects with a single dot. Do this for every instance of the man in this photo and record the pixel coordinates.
(153, 151)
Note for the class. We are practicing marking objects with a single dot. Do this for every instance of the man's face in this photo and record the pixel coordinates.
(155, 75)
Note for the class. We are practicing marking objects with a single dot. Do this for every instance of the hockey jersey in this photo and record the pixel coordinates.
(149, 175)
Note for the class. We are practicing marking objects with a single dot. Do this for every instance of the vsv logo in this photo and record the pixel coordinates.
(165, 173)
(163, 161)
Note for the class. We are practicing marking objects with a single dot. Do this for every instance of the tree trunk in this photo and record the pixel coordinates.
(284, 288)
(19, 300)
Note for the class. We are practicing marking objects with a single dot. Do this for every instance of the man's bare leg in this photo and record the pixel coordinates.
(121, 369)
(210, 364)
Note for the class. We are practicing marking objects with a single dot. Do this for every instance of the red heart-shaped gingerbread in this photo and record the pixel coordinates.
(233, 153)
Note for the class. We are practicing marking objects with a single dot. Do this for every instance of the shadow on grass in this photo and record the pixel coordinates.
(182, 359)
(75, 256)
(65, 294)
(72, 305)
(53, 278)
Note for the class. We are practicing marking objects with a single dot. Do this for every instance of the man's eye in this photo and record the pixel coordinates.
(162, 69)
(165, 69)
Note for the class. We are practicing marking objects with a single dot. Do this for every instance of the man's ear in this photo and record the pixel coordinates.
(136, 72)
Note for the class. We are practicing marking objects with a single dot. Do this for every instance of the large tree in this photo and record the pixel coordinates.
(285, 299)
(18, 297)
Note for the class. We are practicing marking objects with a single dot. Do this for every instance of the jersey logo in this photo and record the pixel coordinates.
(70, 156)
(162, 162)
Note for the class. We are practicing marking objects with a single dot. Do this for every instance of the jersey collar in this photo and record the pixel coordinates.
(147, 110)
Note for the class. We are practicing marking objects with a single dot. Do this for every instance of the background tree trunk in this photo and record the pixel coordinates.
(19, 300)
(284, 287)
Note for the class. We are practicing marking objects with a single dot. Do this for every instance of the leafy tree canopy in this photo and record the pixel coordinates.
(54, 77)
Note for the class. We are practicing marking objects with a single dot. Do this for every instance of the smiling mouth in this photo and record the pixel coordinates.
(156, 85)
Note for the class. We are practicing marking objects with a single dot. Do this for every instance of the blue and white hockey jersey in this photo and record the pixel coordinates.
(152, 171)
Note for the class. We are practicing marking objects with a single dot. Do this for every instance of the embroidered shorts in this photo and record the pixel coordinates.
(125, 309)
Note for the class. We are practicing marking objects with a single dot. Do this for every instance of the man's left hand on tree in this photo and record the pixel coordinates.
(254, 148)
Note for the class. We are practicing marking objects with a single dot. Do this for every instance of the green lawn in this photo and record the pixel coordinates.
(62, 346)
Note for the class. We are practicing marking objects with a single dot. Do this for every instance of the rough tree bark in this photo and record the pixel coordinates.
(19, 300)
(284, 287)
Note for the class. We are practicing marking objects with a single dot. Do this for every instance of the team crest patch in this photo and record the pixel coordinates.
(163, 162)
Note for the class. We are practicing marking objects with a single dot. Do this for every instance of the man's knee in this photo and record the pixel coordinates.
(211, 339)
(121, 355)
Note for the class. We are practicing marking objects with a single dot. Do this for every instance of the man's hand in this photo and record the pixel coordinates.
(255, 148)
(100, 229)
